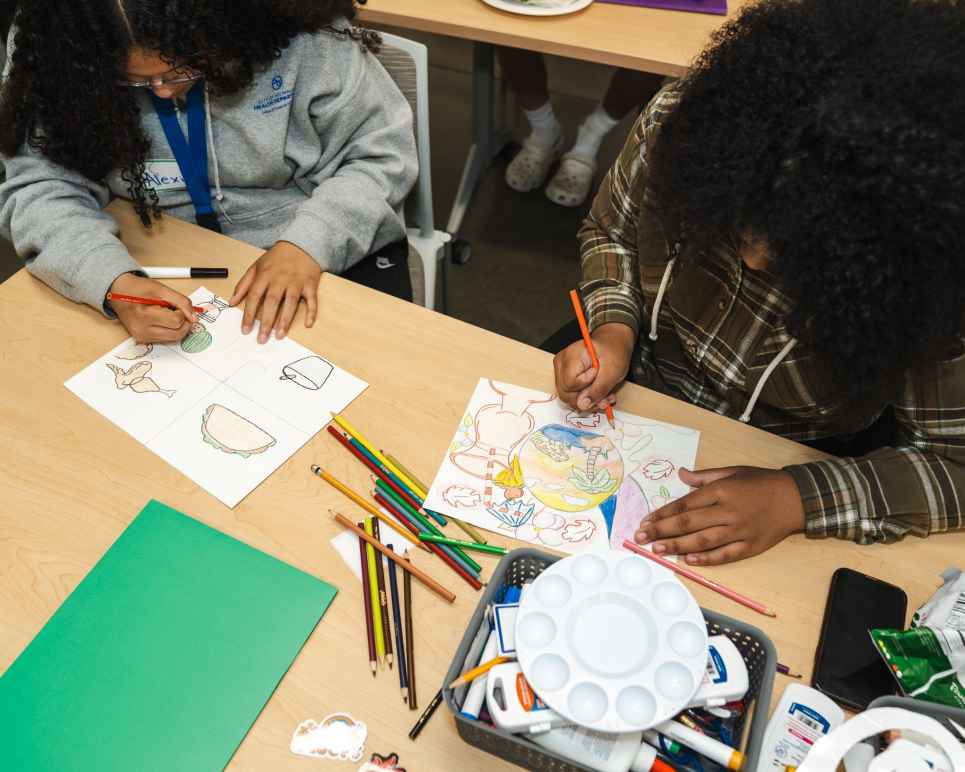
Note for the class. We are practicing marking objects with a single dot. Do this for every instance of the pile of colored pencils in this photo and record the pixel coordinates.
(398, 498)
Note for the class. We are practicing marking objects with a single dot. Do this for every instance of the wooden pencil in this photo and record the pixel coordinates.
(383, 599)
(367, 604)
(491, 549)
(446, 557)
(427, 580)
(397, 620)
(371, 557)
(358, 450)
(471, 532)
(588, 342)
(353, 496)
(343, 422)
(409, 639)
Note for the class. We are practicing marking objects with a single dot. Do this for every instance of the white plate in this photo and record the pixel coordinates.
(513, 6)
(611, 641)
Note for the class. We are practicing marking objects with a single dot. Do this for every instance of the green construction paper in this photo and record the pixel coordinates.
(162, 657)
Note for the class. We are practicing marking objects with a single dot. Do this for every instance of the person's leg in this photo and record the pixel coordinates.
(525, 71)
(628, 89)
(386, 271)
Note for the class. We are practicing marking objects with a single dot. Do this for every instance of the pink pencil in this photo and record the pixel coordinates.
(760, 608)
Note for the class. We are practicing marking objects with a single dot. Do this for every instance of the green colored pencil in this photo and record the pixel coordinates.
(492, 549)
(390, 494)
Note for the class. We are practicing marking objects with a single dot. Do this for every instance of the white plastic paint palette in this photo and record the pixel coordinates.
(611, 641)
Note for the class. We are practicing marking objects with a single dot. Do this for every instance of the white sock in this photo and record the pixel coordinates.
(591, 133)
(545, 128)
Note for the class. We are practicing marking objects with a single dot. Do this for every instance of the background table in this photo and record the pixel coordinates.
(637, 38)
(71, 481)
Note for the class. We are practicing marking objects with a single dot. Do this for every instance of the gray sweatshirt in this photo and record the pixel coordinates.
(318, 151)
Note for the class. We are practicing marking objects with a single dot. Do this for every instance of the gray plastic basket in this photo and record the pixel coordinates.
(931, 709)
(524, 565)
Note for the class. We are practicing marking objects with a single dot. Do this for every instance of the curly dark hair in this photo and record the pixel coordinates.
(834, 132)
(62, 95)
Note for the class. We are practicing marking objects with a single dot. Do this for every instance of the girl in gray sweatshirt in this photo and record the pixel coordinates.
(272, 122)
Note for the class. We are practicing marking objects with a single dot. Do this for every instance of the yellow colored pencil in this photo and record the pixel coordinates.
(374, 592)
(485, 667)
(471, 532)
(352, 495)
(378, 454)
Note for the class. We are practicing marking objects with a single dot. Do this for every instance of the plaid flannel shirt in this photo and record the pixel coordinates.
(721, 324)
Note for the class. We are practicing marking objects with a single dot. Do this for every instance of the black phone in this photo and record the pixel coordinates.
(848, 667)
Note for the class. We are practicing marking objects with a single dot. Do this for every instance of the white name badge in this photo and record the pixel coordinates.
(163, 175)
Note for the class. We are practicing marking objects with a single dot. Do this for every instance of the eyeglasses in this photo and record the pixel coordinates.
(158, 81)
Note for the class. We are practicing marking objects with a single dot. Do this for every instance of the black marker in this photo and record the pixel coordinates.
(426, 715)
(174, 272)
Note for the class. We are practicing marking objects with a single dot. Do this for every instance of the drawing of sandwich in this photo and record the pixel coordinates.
(225, 430)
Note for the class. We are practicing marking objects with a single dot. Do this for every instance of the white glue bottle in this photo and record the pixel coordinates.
(801, 718)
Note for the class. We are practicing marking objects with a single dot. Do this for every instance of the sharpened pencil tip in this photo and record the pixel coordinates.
(316, 469)
(770, 613)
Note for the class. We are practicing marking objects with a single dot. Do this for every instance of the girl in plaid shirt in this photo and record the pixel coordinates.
(782, 241)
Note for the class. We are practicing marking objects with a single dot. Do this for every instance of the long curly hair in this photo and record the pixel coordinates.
(833, 131)
(63, 98)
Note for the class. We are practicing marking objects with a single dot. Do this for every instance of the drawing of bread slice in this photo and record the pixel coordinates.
(225, 430)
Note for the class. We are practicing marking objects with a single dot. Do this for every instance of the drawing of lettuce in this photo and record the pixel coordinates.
(588, 481)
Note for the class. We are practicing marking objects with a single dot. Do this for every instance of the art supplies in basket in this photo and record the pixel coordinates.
(743, 727)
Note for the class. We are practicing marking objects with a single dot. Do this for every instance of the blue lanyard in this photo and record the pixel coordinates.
(191, 154)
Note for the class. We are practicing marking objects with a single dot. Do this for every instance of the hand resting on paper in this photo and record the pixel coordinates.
(734, 513)
(581, 385)
(273, 286)
(151, 324)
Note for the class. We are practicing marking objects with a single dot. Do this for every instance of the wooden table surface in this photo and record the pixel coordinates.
(637, 38)
(71, 481)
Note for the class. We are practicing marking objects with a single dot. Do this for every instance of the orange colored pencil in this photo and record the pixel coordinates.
(735, 596)
(588, 342)
(427, 580)
(350, 494)
(148, 301)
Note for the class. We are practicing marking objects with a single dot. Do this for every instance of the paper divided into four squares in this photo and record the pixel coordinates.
(524, 464)
(220, 407)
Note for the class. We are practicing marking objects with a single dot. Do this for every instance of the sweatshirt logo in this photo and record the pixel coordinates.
(279, 98)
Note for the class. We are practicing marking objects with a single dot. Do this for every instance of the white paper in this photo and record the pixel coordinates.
(220, 407)
(346, 544)
(524, 464)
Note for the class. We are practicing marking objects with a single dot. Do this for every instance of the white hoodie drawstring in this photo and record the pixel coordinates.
(746, 415)
(660, 293)
(218, 195)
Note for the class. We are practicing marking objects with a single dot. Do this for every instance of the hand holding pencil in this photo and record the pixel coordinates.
(584, 386)
(165, 323)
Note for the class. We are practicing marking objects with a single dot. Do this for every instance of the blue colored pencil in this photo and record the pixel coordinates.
(397, 619)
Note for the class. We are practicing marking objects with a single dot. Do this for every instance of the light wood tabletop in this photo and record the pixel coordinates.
(653, 40)
(71, 481)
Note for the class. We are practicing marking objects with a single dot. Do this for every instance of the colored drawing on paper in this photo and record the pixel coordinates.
(211, 309)
(310, 373)
(227, 431)
(524, 464)
(135, 351)
(136, 379)
(197, 340)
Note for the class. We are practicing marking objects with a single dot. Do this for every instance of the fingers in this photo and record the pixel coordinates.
(680, 524)
(696, 499)
(179, 301)
(160, 334)
(705, 476)
(242, 287)
(703, 540)
(737, 550)
(310, 293)
(253, 298)
(574, 372)
(270, 304)
(287, 313)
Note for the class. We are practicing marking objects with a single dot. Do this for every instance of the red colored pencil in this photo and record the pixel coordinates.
(710, 584)
(367, 603)
(148, 301)
(473, 581)
(380, 472)
(588, 342)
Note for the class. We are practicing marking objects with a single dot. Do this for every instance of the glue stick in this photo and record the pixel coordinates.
(477, 690)
(715, 750)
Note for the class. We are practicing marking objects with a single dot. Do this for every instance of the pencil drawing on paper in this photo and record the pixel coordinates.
(523, 463)
(135, 351)
(137, 380)
(224, 429)
(310, 373)
(197, 340)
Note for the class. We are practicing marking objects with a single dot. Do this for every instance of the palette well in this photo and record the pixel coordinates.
(611, 641)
